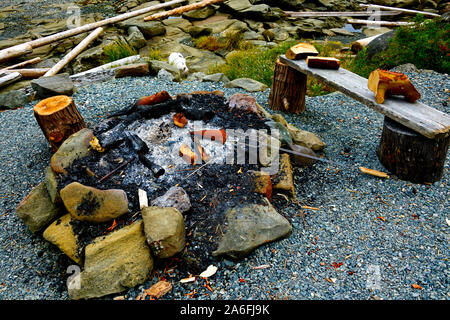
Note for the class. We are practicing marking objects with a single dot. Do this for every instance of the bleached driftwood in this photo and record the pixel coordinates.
(406, 11)
(75, 52)
(380, 23)
(23, 64)
(111, 65)
(29, 73)
(27, 47)
(181, 10)
(9, 78)
(338, 14)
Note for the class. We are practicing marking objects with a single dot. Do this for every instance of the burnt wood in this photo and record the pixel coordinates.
(411, 156)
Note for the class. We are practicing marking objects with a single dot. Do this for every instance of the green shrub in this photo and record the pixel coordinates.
(153, 54)
(209, 43)
(118, 50)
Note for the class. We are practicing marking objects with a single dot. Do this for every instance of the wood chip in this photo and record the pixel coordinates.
(416, 286)
(374, 172)
(187, 280)
(159, 289)
(210, 271)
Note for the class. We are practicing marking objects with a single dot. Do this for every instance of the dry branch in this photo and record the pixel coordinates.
(23, 64)
(406, 11)
(379, 23)
(75, 52)
(9, 78)
(181, 10)
(27, 47)
(29, 73)
(337, 14)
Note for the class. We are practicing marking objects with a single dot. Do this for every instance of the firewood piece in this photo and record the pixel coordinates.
(383, 82)
(188, 155)
(74, 52)
(301, 51)
(213, 135)
(58, 118)
(288, 89)
(180, 120)
(144, 101)
(9, 78)
(157, 170)
(143, 199)
(137, 144)
(411, 156)
(181, 10)
(27, 47)
(29, 73)
(323, 63)
(374, 173)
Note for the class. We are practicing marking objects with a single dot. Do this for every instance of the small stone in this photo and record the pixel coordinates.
(136, 38)
(198, 31)
(52, 185)
(60, 233)
(284, 179)
(94, 205)
(13, 99)
(175, 197)
(133, 70)
(37, 209)
(165, 230)
(165, 75)
(306, 139)
(247, 84)
(216, 77)
(60, 84)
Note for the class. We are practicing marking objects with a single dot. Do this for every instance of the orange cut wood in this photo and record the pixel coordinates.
(323, 63)
(213, 135)
(188, 155)
(180, 120)
(58, 118)
(383, 82)
(154, 99)
(301, 51)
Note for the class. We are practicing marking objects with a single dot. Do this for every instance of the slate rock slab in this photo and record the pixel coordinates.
(60, 84)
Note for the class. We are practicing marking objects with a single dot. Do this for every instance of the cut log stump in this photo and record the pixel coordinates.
(58, 118)
(288, 89)
(410, 155)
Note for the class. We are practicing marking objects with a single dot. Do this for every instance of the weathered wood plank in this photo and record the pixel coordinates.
(417, 116)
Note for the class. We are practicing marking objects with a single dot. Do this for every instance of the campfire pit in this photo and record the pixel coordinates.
(209, 160)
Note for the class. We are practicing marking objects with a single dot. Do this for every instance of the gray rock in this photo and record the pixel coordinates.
(247, 84)
(165, 75)
(197, 31)
(13, 99)
(37, 209)
(155, 66)
(175, 197)
(216, 77)
(250, 226)
(60, 84)
(379, 44)
(132, 70)
(136, 38)
(196, 76)
(165, 230)
(149, 29)
(199, 14)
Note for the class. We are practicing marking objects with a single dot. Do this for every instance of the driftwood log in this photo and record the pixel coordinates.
(411, 156)
(9, 78)
(288, 89)
(181, 10)
(405, 11)
(23, 64)
(22, 49)
(29, 73)
(58, 118)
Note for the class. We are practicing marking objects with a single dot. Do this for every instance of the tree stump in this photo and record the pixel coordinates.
(410, 155)
(58, 118)
(288, 89)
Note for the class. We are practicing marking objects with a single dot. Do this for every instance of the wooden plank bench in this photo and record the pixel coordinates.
(428, 128)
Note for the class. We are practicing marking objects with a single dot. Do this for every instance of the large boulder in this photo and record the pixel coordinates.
(136, 38)
(379, 44)
(60, 233)
(306, 139)
(113, 263)
(75, 147)
(249, 226)
(165, 230)
(37, 210)
(60, 84)
(93, 205)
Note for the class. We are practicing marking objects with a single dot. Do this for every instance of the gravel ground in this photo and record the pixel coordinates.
(331, 253)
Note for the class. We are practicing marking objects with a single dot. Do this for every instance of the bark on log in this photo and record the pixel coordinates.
(323, 63)
(28, 47)
(288, 89)
(58, 118)
(411, 156)
(181, 10)
(75, 52)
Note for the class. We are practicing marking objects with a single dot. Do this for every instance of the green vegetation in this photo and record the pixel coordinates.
(425, 44)
(153, 54)
(118, 50)
(233, 40)
(209, 43)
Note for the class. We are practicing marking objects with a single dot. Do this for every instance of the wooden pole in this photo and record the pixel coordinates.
(111, 65)
(30, 73)
(23, 64)
(27, 47)
(288, 89)
(406, 11)
(58, 118)
(338, 14)
(10, 78)
(379, 23)
(181, 10)
(75, 52)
